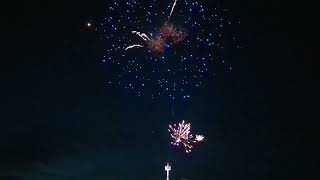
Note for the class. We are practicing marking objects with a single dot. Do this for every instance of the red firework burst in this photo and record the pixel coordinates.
(157, 46)
(170, 34)
(167, 34)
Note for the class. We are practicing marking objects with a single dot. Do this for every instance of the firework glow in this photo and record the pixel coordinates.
(158, 50)
(199, 138)
(168, 35)
(181, 135)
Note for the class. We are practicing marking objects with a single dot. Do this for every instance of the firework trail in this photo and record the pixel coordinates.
(142, 35)
(133, 46)
(168, 33)
(173, 6)
(181, 135)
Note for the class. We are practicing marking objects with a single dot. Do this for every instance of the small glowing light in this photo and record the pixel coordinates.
(89, 24)
(199, 138)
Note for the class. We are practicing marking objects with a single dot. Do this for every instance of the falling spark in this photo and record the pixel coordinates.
(142, 35)
(134, 46)
(173, 6)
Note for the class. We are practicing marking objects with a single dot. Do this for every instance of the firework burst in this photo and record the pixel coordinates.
(199, 138)
(160, 49)
(181, 135)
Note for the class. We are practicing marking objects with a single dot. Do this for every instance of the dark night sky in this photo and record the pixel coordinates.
(59, 121)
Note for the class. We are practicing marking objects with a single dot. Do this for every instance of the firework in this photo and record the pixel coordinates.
(173, 6)
(168, 34)
(181, 135)
(164, 52)
(142, 35)
(199, 138)
(133, 46)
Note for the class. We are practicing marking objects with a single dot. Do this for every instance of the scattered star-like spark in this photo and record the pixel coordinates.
(151, 54)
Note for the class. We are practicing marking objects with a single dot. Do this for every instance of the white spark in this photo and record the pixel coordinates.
(134, 46)
(199, 138)
(142, 35)
(173, 6)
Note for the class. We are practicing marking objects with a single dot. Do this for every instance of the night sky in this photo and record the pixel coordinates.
(60, 121)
